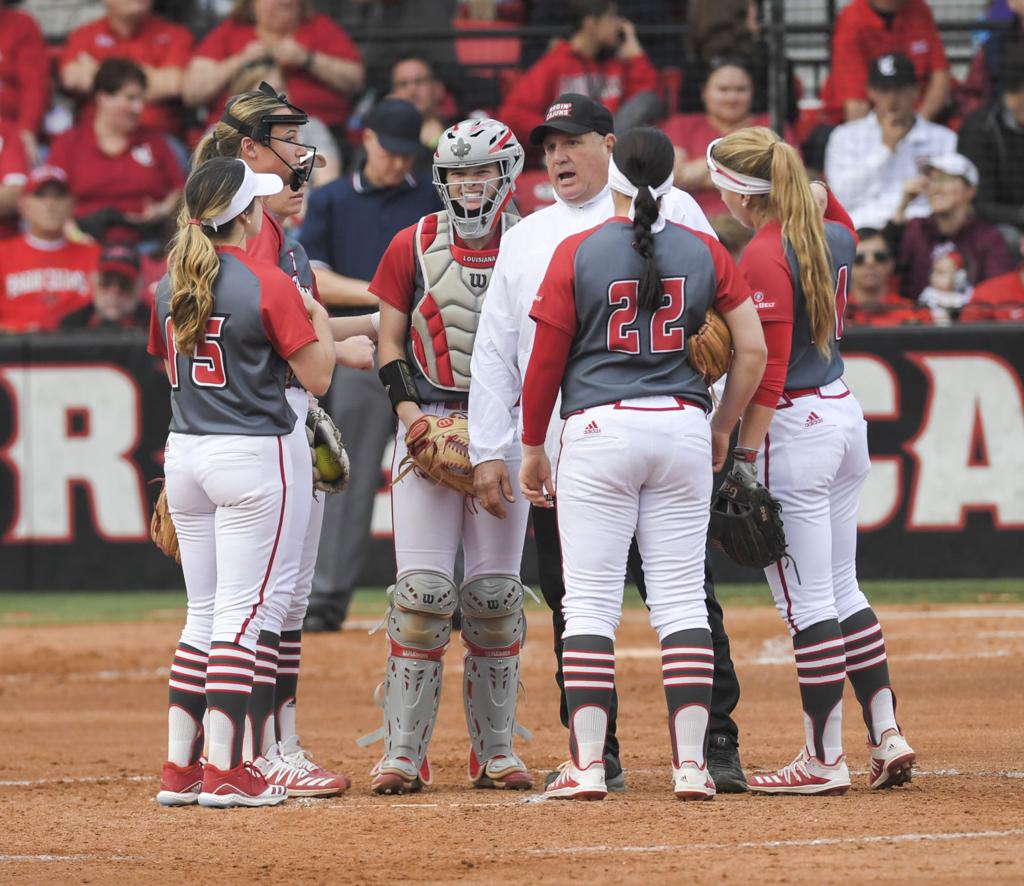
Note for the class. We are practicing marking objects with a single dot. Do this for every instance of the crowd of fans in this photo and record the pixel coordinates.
(99, 116)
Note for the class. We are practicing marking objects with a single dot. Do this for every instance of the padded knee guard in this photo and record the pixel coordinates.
(493, 630)
(419, 627)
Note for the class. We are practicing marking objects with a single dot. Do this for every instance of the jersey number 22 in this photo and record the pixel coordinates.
(667, 333)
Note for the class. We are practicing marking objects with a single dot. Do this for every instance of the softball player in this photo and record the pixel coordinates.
(264, 130)
(806, 433)
(614, 314)
(229, 328)
(431, 282)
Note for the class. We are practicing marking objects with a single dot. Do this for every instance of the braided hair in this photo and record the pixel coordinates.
(645, 156)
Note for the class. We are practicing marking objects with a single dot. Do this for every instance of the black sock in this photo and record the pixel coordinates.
(688, 666)
(287, 683)
(821, 672)
(186, 705)
(588, 662)
(261, 702)
(868, 669)
(229, 676)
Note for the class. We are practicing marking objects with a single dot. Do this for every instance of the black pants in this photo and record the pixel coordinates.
(725, 693)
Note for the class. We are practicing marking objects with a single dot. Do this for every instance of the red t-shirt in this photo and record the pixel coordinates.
(24, 70)
(145, 172)
(306, 91)
(13, 170)
(1000, 298)
(560, 70)
(891, 310)
(41, 283)
(156, 44)
(861, 35)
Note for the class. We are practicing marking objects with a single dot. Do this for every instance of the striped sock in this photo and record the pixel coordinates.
(868, 669)
(229, 677)
(261, 702)
(186, 705)
(687, 668)
(588, 662)
(287, 683)
(821, 672)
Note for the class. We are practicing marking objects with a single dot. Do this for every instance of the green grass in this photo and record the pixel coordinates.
(25, 608)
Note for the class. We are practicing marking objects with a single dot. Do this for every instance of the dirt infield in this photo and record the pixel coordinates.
(82, 715)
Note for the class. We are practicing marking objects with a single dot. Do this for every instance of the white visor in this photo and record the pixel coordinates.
(730, 180)
(254, 184)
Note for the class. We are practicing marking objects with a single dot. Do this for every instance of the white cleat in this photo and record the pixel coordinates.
(892, 761)
(692, 782)
(578, 784)
(805, 775)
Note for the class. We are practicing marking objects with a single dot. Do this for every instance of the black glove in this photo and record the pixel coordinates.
(745, 521)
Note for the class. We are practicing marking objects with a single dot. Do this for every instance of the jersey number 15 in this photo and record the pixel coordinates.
(667, 332)
(207, 367)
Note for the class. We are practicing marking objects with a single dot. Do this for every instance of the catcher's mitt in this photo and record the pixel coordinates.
(321, 430)
(439, 448)
(710, 347)
(745, 521)
(161, 528)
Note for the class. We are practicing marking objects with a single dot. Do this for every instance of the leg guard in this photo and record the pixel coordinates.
(493, 629)
(419, 626)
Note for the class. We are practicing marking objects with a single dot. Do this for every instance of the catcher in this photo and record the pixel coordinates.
(431, 283)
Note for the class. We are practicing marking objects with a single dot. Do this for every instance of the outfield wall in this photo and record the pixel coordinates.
(83, 420)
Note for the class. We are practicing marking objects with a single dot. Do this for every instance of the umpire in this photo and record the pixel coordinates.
(577, 137)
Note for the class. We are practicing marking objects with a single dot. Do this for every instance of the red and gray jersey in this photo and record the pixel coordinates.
(621, 350)
(235, 382)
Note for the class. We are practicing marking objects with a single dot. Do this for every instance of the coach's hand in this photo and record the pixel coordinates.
(493, 487)
(535, 477)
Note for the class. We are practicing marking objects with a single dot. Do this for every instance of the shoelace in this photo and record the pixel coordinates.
(798, 768)
(284, 768)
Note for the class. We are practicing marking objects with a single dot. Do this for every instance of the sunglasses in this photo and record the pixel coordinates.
(879, 256)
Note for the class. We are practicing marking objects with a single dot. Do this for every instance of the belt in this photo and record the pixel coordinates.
(459, 405)
(787, 398)
(801, 392)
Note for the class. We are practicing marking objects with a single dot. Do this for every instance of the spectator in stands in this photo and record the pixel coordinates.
(121, 175)
(866, 29)
(950, 181)
(24, 75)
(14, 168)
(414, 79)
(322, 66)
(983, 82)
(727, 96)
(1000, 299)
(872, 300)
(43, 276)
(115, 305)
(602, 59)
(130, 30)
(58, 18)
(993, 138)
(349, 224)
(868, 161)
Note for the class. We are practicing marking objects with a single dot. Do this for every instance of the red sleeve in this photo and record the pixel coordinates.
(937, 60)
(555, 301)
(33, 65)
(395, 277)
(767, 271)
(156, 345)
(331, 39)
(640, 76)
(13, 160)
(217, 44)
(543, 378)
(732, 287)
(285, 321)
(77, 42)
(849, 76)
(835, 212)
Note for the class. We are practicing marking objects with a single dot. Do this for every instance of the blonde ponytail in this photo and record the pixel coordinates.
(224, 140)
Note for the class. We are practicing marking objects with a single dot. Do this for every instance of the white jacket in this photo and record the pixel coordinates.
(504, 338)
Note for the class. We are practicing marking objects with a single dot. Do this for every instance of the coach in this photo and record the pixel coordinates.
(577, 137)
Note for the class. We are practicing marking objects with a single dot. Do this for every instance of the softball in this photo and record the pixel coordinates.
(328, 466)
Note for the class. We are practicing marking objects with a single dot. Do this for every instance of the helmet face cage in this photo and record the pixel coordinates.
(477, 143)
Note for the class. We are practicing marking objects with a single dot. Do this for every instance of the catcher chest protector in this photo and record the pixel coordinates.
(493, 630)
(451, 283)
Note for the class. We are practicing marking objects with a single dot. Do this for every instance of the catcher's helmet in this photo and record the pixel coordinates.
(474, 143)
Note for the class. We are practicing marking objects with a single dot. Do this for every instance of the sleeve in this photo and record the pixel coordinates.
(316, 227)
(494, 368)
(937, 60)
(732, 288)
(555, 302)
(179, 49)
(76, 43)
(767, 273)
(640, 76)
(395, 277)
(285, 321)
(33, 64)
(13, 160)
(983, 152)
(217, 45)
(835, 212)
(849, 78)
(526, 103)
(156, 345)
(680, 207)
(331, 39)
(543, 379)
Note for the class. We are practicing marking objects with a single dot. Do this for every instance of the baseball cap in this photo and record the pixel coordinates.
(46, 175)
(892, 71)
(576, 114)
(120, 258)
(953, 164)
(397, 124)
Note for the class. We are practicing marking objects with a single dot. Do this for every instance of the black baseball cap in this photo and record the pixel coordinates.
(576, 114)
(397, 124)
(892, 71)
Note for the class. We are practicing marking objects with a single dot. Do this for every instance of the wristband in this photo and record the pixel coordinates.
(397, 380)
(375, 321)
(739, 453)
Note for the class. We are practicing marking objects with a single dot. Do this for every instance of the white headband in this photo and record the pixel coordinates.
(618, 182)
(728, 180)
(254, 184)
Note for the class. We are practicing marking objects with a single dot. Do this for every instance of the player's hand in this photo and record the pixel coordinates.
(719, 448)
(535, 477)
(493, 487)
(408, 414)
(356, 352)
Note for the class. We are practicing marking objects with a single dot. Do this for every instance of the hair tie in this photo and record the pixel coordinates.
(194, 221)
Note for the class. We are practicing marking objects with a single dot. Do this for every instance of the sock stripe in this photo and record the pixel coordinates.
(242, 688)
(861, 665)
(266, 652)
(686, 650)
(820, 663)
(580, 669)
(837, 677)
(189, 656)
(185, 673)
(187, 687)
(819, 647)
(238, 654)
(595, 656)
(687, 665)
(589, 684)
(869, 647)
(260, 678)
(860, 635)
(687, 681)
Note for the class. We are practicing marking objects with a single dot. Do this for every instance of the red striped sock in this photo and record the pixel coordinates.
(229, 676)
(588, 663)
(867, 666)
(821, 673)
(687, 668)
(186, 705)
